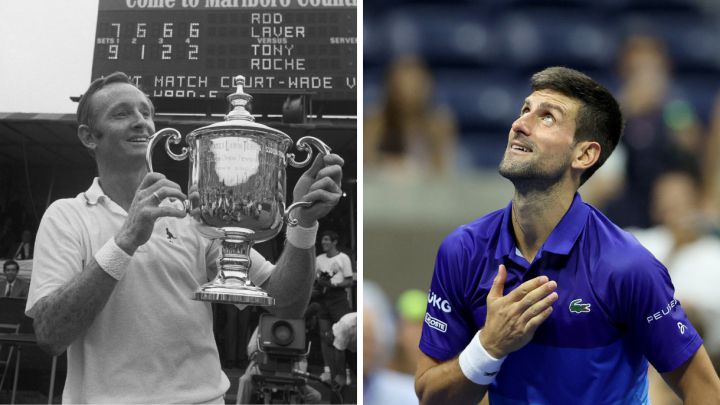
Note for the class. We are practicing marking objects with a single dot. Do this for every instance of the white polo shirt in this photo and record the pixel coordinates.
(338, 267)
(151, 343)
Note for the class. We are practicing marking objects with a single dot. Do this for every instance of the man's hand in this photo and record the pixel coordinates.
(144, 210)
(324, 282)
(320, 184)
(513, 319)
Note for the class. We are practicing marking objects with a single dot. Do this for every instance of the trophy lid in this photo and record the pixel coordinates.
(239, 117)
(238, 101)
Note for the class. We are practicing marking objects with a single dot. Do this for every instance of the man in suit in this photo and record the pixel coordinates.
(13, 286)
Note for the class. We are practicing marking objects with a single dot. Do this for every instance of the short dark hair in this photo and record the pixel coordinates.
(84, 113)
(331, 234)
(9, 263)
(599, 118)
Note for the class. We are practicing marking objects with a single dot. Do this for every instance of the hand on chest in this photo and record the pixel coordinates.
(577, 318)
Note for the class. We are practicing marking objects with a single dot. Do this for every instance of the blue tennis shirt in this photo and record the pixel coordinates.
(615, 310)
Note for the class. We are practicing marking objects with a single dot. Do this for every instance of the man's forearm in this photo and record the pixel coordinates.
(696, 381)
(347, 282)
(65, 314)
(291, 282)
(445, 383)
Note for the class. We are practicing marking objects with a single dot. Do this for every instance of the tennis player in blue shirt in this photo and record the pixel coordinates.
(547, 301)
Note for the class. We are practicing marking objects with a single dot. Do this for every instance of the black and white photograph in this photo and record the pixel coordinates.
(178, 201)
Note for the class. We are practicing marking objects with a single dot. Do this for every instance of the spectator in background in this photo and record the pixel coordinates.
(659, 131)
(411, 310)
(345, 342)
(711, 169)
(408, 133)
(12, 286)
(381, 385)
(334, 275)
(23, 250)
(7, 236)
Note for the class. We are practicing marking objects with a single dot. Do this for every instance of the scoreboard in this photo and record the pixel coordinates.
(189, 50)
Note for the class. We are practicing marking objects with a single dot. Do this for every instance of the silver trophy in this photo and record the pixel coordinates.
(238, 168)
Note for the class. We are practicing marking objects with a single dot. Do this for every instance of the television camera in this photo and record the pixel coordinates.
(282, 349)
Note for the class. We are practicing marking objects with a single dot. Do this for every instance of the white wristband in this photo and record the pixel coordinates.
(112, 259)
(302, 238)
(477, 364)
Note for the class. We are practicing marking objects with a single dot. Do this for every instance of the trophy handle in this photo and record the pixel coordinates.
(175, 137)
(304, 144)
(294, 221)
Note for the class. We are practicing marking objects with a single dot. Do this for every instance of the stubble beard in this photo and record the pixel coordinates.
(514, 170)
(530, 173)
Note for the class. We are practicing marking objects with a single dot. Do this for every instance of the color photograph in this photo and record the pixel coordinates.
(541, 202)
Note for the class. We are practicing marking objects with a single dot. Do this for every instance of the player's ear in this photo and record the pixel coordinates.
(86, 138)
(587, 154)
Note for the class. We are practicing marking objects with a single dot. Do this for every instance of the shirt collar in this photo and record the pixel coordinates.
(93, 194)
(506, 243)
(561, 239)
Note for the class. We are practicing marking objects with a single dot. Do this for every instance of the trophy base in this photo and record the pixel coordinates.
(233, 294)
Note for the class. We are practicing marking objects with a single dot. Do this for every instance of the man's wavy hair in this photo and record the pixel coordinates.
(599, 118)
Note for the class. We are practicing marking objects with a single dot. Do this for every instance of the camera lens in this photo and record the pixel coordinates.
(282, 333)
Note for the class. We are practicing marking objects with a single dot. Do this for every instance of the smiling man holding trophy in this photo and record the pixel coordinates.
(116, 266)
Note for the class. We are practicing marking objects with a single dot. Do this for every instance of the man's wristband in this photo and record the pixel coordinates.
(302, 238)
(477, 364)
(112, 259)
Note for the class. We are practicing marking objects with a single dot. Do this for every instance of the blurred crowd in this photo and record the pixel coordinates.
(409, 133)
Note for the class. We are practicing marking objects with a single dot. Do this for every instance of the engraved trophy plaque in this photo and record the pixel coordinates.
(238, 169)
